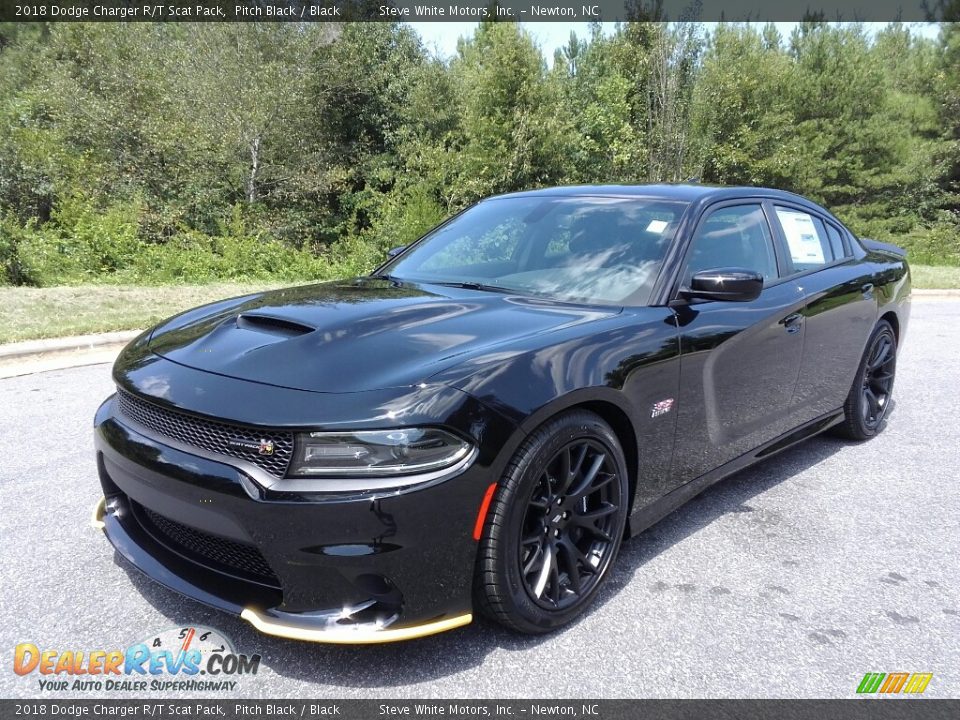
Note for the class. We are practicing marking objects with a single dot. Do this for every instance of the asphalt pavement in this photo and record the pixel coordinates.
(791, 579)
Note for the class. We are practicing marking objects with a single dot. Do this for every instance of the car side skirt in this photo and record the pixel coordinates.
(651, 514)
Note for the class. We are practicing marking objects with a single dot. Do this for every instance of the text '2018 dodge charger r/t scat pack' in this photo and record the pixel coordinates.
(478, 424)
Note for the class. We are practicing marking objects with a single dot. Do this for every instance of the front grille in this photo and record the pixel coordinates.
(211, 550)
(222, 438)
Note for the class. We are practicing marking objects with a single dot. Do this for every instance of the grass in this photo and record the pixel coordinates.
(936, 277)
(32, 313)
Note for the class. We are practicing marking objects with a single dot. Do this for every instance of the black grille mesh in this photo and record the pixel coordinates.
(209, 434)
(228, 554)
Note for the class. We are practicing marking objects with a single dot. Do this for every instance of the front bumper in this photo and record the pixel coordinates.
(328, 569)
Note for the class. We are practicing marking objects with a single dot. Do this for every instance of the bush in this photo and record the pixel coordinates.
(197, 258)
(936, 245)
(83, 245)
(13, 271)
(928, 243)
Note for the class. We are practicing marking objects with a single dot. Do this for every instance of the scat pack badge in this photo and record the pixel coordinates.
(178, 659)
(661, 408)
(261, 447)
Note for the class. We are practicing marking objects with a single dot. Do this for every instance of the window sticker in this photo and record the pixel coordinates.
(802, 239)
(657, 226)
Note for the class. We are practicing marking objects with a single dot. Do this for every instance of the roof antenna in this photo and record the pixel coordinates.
(694, 180)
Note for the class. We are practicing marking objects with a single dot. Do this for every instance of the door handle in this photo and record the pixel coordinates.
(792, 322)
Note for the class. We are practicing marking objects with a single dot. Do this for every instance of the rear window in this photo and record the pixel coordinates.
(836, 242)
(808, 242)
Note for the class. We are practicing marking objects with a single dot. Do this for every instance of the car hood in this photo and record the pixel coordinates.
(362, 334)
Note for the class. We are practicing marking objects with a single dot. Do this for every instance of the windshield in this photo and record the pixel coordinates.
(574, 249)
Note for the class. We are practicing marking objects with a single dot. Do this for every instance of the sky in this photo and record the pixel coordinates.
(442, 36)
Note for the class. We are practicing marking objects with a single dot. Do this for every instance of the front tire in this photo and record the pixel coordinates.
(555, 526)
(869, 400)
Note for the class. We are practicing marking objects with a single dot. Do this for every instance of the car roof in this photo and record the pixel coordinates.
(666, 191)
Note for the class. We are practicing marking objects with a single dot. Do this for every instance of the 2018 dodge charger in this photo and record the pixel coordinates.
(478, 424)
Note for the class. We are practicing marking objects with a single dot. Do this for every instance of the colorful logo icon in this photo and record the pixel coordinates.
(894, 683)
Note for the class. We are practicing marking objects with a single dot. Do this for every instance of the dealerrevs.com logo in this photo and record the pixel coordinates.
(180, 659)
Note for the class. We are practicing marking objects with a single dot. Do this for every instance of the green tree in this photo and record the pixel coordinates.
(743, 111)
(509, 138)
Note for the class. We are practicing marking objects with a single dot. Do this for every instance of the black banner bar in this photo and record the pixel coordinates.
(467, 10)
(854, 709)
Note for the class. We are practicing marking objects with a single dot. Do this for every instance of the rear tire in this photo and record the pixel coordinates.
(866, 408)
(555, 526)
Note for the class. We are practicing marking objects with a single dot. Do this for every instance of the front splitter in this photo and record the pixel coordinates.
(357, 635)
(342, 635)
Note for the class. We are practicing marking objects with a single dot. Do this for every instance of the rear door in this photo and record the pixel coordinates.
(739, 360)
(839, 305)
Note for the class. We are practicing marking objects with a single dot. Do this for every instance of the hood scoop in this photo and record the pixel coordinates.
(273, 325)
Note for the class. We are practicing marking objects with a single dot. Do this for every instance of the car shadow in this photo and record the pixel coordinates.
(730, 495)
(439, 656)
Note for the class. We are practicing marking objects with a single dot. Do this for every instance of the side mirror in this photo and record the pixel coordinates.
(729, 284)
(396, 251)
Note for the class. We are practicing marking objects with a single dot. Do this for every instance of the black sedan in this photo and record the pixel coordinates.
(478, 424)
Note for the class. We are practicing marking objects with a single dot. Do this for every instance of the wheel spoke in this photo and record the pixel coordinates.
(554, 579)
(590, 518)
(539, 503)
(535, 561)
(533, 539)
(603, 480)
(594, 530)
(545, 570)
(572, 548)
(570, 565)
(581, 456)
(880, 387)
(585, 484)
(880, 355)
(873, 402)
(564, 476)
(570, 468)
(543, 492)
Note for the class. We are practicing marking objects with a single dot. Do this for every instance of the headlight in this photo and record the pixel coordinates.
(376, 453)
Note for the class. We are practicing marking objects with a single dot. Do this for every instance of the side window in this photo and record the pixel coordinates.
(735, 236)
(836, 242)
(807, 239)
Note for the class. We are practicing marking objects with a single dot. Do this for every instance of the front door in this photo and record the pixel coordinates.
(739, 360)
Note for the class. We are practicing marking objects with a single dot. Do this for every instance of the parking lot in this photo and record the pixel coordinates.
(791, 579)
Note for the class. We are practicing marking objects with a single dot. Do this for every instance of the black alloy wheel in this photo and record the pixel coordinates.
(869, 400)
(878, 380)
(555, 526)
(569, 525)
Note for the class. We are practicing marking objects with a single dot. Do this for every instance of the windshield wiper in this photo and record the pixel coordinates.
(471, 285)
